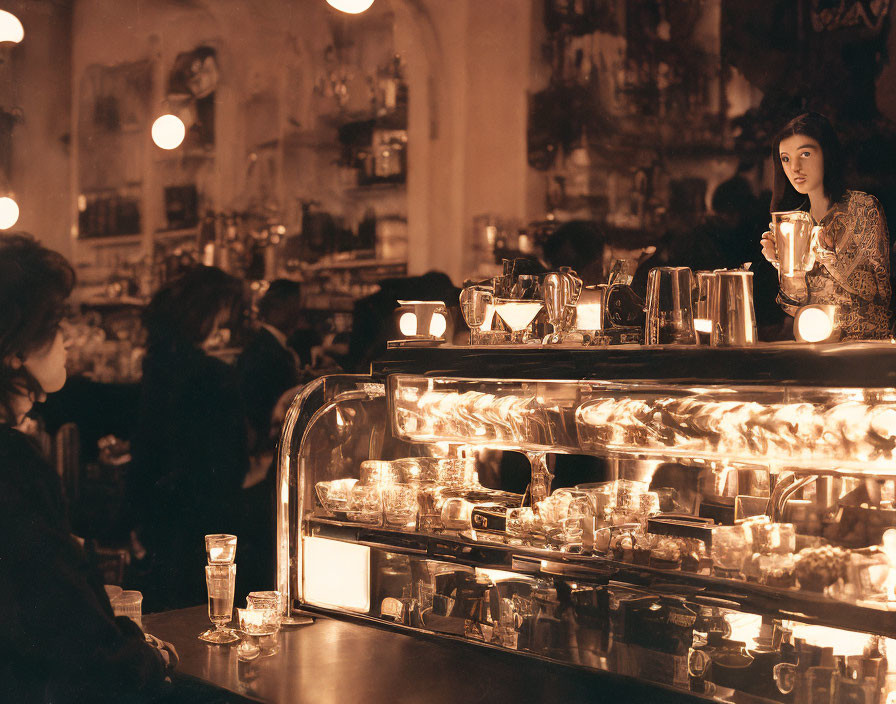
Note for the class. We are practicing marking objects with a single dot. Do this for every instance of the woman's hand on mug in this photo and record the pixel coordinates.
(768, 247)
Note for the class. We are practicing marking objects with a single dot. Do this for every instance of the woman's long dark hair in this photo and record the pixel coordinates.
(816, 126)
(184, 310)
(34, 283)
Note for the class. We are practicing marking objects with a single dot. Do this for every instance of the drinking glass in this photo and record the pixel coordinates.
(365, 504)
(518, 314)
(260, 627)
(400, 506)
(220, 580)
(731, 546)
(265, 600)
(379, 472)
(457, 472)
(333, 495)
(129, 603)
(220, 548)
(416, 470)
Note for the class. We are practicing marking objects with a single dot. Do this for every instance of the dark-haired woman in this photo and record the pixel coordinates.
(852, 268)
(190, 447)
(59, 641)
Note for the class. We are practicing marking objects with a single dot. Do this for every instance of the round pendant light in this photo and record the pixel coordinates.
(11, 29)
(352, 7)
(9, 212)
(168, 131)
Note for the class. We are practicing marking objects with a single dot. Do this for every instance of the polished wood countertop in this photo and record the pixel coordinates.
(338, 662)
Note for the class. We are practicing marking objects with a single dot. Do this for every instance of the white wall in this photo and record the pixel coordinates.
(34, 77)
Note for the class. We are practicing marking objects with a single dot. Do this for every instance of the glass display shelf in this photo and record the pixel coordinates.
(781, 603)
(841, 430)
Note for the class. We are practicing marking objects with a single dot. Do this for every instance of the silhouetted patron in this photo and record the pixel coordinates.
(191, 448)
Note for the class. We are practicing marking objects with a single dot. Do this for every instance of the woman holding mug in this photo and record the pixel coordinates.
(852, 267)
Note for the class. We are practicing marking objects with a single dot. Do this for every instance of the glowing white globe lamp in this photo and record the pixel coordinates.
(168, 131)
(9, 212)
(11, 29)
(816, 323)
(352, 7)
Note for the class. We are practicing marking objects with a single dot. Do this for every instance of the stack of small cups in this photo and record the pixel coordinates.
(260, 622)
(220, 577)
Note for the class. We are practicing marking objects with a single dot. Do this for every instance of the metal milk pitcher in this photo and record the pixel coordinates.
(731, 304)
(670, 306)
(795, 241)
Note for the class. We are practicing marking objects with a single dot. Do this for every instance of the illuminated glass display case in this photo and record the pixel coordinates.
(719, 522)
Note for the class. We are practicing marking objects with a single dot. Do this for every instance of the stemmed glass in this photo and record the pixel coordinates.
(220, 580)
(518, 314)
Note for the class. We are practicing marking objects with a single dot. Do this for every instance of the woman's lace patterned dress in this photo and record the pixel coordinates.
(852, 268)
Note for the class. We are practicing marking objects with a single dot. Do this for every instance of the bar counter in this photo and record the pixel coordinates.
(334, 661)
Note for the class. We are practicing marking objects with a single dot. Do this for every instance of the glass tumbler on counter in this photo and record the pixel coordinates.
(220, 580)
(129, 603)
(259, 627)
(265, 600)
(220, 548)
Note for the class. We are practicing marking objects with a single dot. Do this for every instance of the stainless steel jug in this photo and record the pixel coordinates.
(733, 317)
(670, 306)
(795, 241)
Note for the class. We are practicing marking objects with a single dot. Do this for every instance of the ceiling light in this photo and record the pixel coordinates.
(9, 212)
(11, 30)
(352, 7)
(168, 131)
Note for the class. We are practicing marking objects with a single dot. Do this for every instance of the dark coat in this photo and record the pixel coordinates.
(190, 456)
(59, 641)
(266, 370)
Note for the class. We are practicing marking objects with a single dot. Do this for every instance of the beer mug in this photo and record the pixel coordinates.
(670, 312)
(795, 241)
(733, 317)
